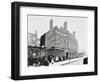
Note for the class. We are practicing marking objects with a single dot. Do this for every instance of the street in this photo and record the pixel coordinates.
(76, 61)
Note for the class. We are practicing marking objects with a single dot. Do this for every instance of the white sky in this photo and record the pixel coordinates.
(77, 24)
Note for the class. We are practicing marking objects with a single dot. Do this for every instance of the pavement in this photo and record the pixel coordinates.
(65, 62)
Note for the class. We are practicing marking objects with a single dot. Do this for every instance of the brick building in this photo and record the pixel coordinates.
(61, 40)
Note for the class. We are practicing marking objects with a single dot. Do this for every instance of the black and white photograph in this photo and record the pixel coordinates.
(53, 40)
(62, 42)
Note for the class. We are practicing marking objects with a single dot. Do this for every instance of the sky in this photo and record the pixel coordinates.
(41, 23)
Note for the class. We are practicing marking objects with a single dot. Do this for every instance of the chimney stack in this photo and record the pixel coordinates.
(74, 33)
(36, 32)
(51, 24)
(65, 25)
(36, 37)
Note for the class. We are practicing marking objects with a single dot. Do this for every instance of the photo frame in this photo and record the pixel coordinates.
(53, 40)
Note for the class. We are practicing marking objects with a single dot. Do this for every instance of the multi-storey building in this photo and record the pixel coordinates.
(60, 39)
(33, 39)
(33, 47)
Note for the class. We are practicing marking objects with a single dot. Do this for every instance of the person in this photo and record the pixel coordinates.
(30, 61)
(59, 58)
(56, 59)
(46, 62)
(52, 61)
(49, 59)
(35, 62)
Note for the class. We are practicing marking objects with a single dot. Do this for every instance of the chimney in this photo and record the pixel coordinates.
(36, 36)
(65, 25)
(51, 24)
(74, 33)
(36, 32)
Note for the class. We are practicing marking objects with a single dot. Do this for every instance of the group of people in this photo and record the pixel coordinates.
(45, 60)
